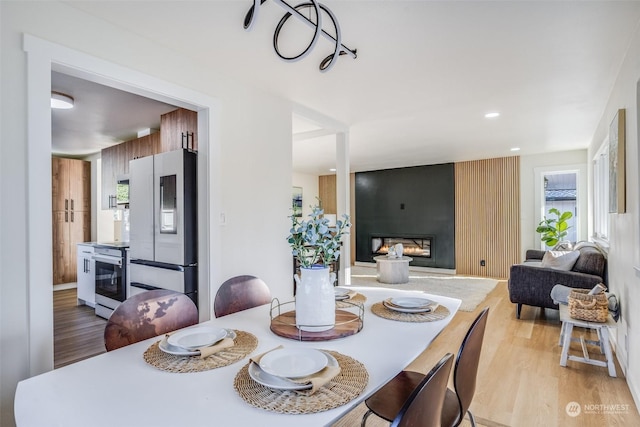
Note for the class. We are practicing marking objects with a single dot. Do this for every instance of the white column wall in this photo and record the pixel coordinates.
(249, 176)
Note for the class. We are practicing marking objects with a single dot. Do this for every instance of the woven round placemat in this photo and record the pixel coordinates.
(244, 345)
(380, 310)
(345, 387)
(356, 299)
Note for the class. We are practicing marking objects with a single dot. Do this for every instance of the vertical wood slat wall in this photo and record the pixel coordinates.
(487, 216)
(327, 193)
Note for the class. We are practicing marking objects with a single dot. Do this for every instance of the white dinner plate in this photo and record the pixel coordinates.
(293, 362)
(341, 293)
(407, 310)
(279, 383)
(179, 351)
(410, 302)
(191, 339)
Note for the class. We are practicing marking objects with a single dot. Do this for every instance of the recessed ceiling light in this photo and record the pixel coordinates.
(61, 101)
(515, 149)
(332, 170)
(492, 115)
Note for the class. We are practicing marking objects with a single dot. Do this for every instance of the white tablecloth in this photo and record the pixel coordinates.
(120, 389)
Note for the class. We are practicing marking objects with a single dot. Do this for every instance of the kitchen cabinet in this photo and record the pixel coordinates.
(86, 275)
(71, 214)
(115, 164)
(108, 183)
(174, 128)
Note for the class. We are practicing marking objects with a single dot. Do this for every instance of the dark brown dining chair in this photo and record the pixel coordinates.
(422, 407)
(465, 372)
(148, 314)
(456, 403)
(240, 293)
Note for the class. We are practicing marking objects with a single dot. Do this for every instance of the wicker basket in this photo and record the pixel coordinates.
(590, 308)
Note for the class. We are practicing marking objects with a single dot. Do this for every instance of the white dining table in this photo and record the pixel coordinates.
(119, 388)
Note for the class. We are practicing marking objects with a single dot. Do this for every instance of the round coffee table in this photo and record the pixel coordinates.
(392, 270)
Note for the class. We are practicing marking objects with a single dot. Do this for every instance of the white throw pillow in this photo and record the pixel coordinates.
(560, 260)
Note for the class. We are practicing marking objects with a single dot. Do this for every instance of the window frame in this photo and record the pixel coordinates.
(600, 164)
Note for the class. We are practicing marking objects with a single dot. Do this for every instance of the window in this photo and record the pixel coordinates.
(561, 192)
(565, 188)
(601, 193)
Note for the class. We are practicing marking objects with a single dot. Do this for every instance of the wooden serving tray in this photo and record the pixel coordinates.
(347, 324)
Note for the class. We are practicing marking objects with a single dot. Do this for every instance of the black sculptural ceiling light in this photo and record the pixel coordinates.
(310, 7)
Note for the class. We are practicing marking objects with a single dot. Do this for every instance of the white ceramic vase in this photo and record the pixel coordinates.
(315, 299)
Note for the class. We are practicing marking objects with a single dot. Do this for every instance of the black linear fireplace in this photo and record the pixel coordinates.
(411, 246)
(414, 206)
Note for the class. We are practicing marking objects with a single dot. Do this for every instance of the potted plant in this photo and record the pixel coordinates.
(553, 230)
(315, 245)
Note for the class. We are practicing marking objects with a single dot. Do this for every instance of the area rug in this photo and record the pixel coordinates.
(471, 290)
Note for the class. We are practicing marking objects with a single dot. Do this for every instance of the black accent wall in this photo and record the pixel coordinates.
(407, 202)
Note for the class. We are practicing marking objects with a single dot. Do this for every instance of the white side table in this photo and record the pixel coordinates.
(603, 340)
(392, 270)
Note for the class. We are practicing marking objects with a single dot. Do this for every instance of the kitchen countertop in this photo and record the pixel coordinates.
(118, 245)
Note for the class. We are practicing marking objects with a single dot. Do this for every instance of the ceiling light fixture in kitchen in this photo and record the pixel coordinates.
(61, 101)
(316, 26)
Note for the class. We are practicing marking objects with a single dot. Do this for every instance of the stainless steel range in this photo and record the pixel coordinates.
(111, 278)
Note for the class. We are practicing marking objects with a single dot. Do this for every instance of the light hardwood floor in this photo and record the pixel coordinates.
(520, 380)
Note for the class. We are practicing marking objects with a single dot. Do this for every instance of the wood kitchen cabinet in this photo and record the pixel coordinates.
(115, 163)
(174, 126)
(71, 214)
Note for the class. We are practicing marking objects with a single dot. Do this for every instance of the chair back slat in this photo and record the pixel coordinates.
(240, 293)
(423, 408)
(148, 314)
(466, 369)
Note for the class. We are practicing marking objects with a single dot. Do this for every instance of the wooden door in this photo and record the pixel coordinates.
(71, 195)
(79, 185)
(79, 230)
(59, 183)
(61, 247)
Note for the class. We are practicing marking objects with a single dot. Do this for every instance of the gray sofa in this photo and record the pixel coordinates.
(531, 284)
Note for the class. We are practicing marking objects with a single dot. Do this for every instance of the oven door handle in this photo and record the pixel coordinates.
(107, 259)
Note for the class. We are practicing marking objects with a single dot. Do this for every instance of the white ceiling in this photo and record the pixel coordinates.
(425, 75)
(102, 116)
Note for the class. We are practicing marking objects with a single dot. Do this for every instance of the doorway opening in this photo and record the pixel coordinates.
(43, 57)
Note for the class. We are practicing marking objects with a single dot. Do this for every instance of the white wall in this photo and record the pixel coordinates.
(624, 240)
(250, 130)
(310, 190)
(529, 213)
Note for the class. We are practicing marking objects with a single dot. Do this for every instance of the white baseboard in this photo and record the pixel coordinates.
(87, 303)
(623, 359)
(63, 286)
(432, 270)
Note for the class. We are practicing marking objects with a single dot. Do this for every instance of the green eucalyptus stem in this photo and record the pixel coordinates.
(313, 241)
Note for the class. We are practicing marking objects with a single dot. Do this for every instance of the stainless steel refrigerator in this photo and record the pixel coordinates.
(164, 223)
